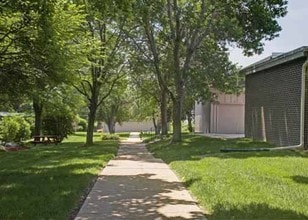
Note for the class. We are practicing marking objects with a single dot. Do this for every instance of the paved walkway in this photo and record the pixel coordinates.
(135, 185)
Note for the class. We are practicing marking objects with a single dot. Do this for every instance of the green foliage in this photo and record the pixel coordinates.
(110, 137)
(36, 43)
(14, 128)
(9, 129)
(24, 130)
(178, 38)
(114, 109)
(82, 124)
(58, 124)
(60, 113)
(41, 47)
(107, 57)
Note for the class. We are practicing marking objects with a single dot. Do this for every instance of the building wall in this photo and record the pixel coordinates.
(272, 105)
(132, 126)
(224, 116)
(227, 114)
(198, 118)
(227, 119)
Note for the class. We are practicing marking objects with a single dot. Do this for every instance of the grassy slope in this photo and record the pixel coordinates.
(46, 182)
(254, 185)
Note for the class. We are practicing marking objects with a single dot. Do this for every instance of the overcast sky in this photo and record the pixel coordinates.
(294, 34)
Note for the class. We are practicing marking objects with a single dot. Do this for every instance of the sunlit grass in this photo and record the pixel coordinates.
(252, 185)
(123, 135)
(46, 182)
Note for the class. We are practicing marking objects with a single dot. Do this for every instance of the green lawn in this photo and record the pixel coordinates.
(148, 136)
(254, 185)
(123, 135)
(46, 182)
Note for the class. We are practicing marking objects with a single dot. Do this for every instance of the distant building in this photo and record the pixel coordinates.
(273, 98)
(225, 115)
(131, 126)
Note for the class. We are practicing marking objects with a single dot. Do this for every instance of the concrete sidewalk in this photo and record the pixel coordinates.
(135, 185)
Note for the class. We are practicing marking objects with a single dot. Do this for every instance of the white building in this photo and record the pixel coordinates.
(131, 126)
(223, 116)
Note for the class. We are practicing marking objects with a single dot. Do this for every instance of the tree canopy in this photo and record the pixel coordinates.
(175, 51)
(175, 33)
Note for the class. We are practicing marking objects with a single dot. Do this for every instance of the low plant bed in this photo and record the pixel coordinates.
(240, 185)
(13, 148)
(48, 182)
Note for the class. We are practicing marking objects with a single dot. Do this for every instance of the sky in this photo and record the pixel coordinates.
(294, 34)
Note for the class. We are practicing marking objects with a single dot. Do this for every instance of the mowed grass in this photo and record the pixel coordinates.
(253, 185)
(46, 182)
(123, 135)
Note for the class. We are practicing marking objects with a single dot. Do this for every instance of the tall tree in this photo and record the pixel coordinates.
(115, 108)
(176, 29)
(145, 66)
(52, 52)
(106, 55)
(37, 46)
(147, 99)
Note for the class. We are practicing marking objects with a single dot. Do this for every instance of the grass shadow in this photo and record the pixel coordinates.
(300, 179)
(195, 147)
(46, 182)
(254, 211)
(191, 181)
(238, 179)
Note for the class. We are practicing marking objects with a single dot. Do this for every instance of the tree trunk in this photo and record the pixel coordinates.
(177, 127)
(111, 126)
(189, 119)
(155, 124)
(163, 113)
(38, 115)
(91, 121)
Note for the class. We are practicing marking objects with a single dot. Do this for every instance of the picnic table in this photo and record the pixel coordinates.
(46, 139)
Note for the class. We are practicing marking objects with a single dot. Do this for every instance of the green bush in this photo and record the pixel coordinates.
(56, 124)
(110, 137)
(82, 124)
(24, 129)
(14, 128)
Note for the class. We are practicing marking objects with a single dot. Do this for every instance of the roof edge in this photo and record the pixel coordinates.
(272, 61)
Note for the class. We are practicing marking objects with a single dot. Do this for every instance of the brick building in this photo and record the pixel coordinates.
(275, 103)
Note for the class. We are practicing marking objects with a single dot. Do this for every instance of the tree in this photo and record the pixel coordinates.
(147, 103)
(146, 67)
(14, 23)
(61, 108)
(38, 49)
(175, 30)
(148, 107)
(115, 108)
(54, 52)
(218, 74)
(106, 55)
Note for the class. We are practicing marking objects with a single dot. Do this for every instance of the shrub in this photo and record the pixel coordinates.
(110, 137)
(55, 124)
(24, 129)
(82, 124)
(14, 128)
